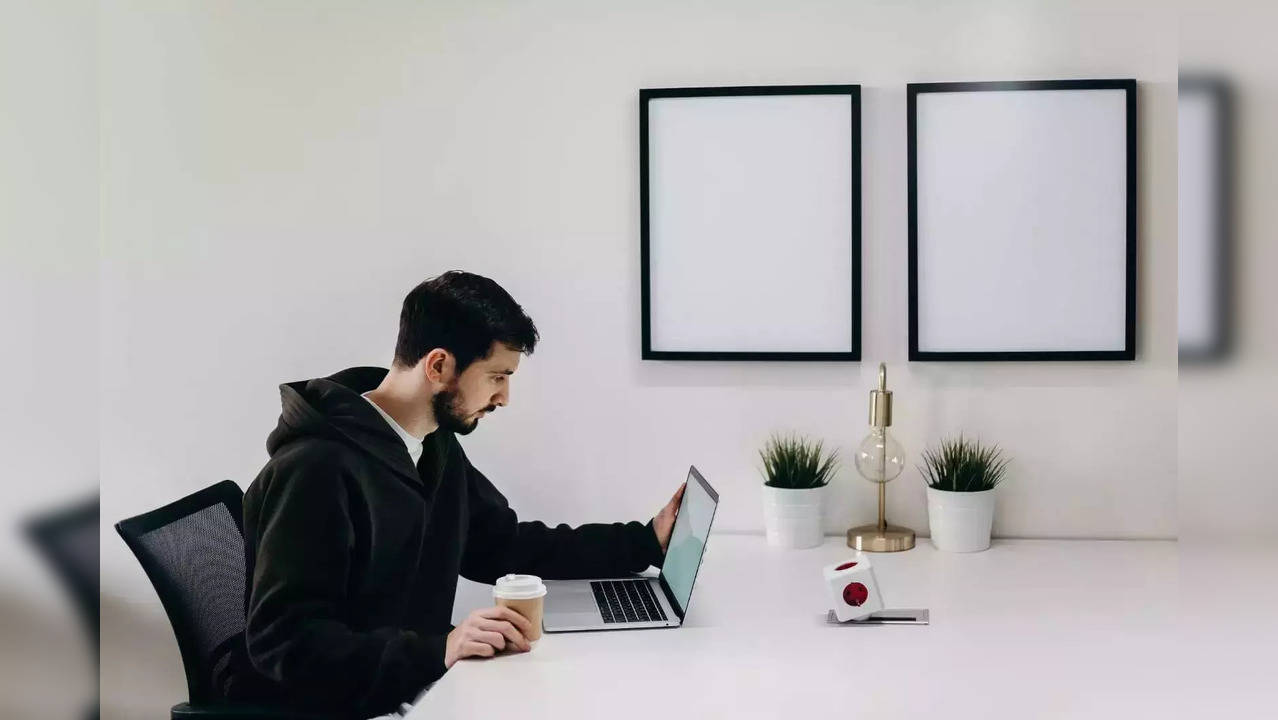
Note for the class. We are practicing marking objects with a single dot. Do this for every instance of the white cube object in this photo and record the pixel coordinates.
(854, 590)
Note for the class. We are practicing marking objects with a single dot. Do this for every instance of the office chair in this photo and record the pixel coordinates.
(193, 552)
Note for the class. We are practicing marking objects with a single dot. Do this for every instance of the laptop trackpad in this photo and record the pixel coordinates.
(570, 596)
(571, 605)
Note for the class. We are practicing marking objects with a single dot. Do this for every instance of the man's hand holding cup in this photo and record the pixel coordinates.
(486, 632)
(514, 623)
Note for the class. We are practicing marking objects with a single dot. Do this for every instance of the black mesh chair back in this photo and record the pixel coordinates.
(193, 552)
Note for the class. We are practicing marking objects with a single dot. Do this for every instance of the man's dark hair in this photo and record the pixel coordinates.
(464, 314)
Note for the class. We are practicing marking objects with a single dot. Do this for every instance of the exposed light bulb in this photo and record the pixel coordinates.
(879, 458)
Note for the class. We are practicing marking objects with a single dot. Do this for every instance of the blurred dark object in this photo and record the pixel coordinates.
(67, 539)
(1206, 225)
(193, 552)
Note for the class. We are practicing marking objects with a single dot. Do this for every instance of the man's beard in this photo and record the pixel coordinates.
(449, 415)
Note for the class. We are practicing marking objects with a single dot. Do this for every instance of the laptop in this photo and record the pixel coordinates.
(636, 603)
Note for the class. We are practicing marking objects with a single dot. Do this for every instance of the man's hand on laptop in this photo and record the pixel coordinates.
(663, 523)
(486, 632)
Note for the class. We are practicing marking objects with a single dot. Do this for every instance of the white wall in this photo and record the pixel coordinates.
(48, 319)
(276, 176)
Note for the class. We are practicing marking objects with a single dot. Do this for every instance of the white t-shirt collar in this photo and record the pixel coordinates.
(411, 442)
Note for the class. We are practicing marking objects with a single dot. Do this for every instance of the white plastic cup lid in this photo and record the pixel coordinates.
(519, 587)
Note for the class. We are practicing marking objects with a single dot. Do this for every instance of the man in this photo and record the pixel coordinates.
(368, 510)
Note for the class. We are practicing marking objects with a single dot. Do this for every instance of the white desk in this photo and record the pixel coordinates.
(1027, 629)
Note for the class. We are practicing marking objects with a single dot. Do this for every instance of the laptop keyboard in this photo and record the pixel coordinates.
(622, 601)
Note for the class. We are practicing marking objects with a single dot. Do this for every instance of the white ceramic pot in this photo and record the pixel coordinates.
(960, 521)
(792, 517)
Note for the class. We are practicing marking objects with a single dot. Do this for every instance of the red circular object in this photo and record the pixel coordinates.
(855, 594)
(845, 566)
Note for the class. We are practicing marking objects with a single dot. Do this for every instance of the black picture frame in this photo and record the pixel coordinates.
(853, 353)
(1128, 352)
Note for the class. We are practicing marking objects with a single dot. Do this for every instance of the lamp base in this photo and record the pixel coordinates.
(870, 539)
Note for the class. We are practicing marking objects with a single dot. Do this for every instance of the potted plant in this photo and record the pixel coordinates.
(796, 471)
(961, 476)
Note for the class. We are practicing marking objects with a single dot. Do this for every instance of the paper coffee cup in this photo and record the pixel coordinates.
(526, 595)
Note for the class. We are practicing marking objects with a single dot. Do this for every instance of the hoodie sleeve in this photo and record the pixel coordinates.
(498, 543)
(295, 633)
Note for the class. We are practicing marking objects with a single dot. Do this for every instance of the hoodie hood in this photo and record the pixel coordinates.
(333, 408)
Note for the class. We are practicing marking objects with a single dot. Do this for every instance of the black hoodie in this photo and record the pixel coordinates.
(353, 553)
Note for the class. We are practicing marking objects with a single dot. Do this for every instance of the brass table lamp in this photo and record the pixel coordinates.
(880, 458)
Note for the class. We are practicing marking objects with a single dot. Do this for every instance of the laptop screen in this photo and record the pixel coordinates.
(688, 539)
